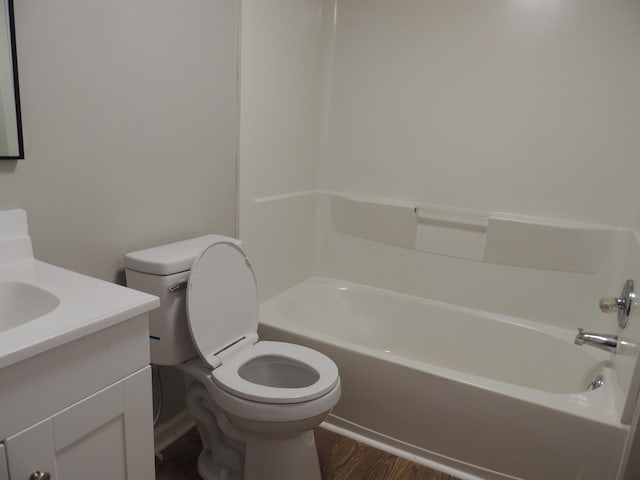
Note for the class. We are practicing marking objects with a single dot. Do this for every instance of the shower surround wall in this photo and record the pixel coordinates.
(529, 108)
(518, 106)
(282, 92)
(522, 107)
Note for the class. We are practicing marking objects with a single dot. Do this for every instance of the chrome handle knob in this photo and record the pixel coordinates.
(611, 304)
(38, 475)
(181, 285)
(621, 304)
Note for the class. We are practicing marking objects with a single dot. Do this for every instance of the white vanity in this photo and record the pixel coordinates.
(75, 381)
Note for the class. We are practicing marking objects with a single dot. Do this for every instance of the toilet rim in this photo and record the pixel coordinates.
(228, 378)
(234, 406)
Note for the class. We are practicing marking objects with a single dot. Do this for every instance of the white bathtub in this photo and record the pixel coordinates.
(468, 392)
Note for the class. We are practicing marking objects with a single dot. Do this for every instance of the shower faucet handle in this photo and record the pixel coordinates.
(38, 475)
(622, 304)
(611, 304)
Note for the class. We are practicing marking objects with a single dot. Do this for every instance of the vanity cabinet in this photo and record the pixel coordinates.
(82, 410)
(98, 437)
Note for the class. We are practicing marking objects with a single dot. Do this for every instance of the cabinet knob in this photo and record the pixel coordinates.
(38, 475)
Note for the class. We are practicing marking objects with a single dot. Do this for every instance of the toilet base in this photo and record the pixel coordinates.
(210, 469)
(218, 460)
(268, 450)
(282, 458)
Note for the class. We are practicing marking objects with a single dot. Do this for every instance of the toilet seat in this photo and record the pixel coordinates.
(222, 314)
(321, 373)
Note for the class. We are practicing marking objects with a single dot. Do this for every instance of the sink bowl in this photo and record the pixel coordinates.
(22, 302)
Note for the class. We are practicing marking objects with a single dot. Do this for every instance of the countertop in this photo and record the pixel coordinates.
(87, 305)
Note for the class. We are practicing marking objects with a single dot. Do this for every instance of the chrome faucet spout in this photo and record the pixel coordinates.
(598, 340)
(610, 343)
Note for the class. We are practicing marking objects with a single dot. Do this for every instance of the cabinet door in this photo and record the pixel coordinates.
(31, 450)
(107, 435)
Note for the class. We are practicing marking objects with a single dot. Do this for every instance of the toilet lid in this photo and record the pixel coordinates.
(222, 299)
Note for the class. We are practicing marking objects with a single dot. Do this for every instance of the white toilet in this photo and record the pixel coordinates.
(255, 403)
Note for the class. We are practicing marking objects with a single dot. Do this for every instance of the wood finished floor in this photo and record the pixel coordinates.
(340, 459)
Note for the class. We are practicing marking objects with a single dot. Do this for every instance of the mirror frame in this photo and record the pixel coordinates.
(16, 88)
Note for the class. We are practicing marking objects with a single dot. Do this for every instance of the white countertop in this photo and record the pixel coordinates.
(87, 305)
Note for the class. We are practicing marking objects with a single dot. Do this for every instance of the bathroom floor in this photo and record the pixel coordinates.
(340, 459)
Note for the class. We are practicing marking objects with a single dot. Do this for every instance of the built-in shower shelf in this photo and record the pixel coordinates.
(492, 237)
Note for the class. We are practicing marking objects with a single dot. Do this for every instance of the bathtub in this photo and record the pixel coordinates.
(470, 393)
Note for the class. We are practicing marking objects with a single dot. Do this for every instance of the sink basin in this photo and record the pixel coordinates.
(22, 302)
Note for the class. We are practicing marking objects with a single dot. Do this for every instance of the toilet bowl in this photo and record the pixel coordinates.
(268, 389)
(265, 396)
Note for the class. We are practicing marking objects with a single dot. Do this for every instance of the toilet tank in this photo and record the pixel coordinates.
(163, 271)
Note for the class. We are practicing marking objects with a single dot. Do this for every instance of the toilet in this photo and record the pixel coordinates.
(255, 403)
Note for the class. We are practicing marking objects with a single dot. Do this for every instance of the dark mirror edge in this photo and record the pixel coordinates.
(16, 86)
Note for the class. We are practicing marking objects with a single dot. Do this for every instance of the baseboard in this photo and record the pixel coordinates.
(453, 467)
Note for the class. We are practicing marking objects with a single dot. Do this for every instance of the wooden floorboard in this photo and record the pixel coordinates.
(345, 459)
(340, 459)
(178, 461)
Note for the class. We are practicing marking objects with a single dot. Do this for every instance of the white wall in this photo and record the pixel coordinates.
(129, 115)
(282, 87)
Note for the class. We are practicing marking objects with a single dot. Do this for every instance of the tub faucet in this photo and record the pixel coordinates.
(610, 343)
